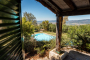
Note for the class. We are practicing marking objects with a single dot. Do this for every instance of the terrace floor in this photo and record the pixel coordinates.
(73, 54)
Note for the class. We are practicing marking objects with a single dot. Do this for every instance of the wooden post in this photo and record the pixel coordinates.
(58, 32)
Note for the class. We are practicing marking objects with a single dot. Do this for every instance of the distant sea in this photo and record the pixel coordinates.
(71, 22)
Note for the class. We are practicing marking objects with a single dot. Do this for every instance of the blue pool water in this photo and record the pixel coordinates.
(42, 36)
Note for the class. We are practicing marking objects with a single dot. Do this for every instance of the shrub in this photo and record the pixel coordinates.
(47, 46)
(64, 28)
(52, 43)
(37, 28)
(37, 49)
(52, 27)
(42, 52)
(80, 35)
(29, 46)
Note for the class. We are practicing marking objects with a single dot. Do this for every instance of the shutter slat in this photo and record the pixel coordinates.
(9, 50)
(15, 40)
(15, 58)
(20, 55)
(9, 18)
(9, 39)
(8, 10)
(8, 7)
(13, 52)
(8, 24)
(9, 13)
(13, 2)
(8, 30)
(16, 31)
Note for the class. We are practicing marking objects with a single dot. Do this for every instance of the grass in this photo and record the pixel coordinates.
(37, 32)
(51, 33)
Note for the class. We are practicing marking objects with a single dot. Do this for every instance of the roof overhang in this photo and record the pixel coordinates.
(67, 7)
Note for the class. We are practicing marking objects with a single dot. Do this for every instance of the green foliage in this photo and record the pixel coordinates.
(80, 35)
(37, 49)
(52, 27)
(29, 46)
(65, 41)
(44, 45)
(48, 26)
(30, 17)
(64, 28)
(88, 46)
(52, 43)
(41, 26)
(37, 28)
(45, 24)
(65, 18)
(27, 27)
(42, 52)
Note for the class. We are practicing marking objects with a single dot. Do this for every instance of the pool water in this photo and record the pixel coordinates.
(42, 36)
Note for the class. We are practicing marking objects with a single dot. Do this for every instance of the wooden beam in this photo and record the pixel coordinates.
(70, 4)
(58, 32)
(46, 5)
(55, 5)
(76, 12)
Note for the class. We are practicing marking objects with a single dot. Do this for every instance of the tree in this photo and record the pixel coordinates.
(27, 27)
(65, 19)
(80, 35)
(30, 17)
(52, 27)
(41, 26)
(64, 28)
(37, 28)
(45, 24)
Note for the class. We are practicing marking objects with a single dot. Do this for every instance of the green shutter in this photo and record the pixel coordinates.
(10, 30)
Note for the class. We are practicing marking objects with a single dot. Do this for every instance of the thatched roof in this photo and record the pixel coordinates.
(67, 7)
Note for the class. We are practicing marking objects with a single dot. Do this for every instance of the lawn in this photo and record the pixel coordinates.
(50, 33)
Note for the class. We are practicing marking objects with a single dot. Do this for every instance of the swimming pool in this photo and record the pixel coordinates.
(43, 36)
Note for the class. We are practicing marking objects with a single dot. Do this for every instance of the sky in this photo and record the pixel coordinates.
(42, 13)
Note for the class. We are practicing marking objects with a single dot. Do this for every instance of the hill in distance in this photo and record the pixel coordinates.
(71, 22)
(78, 22)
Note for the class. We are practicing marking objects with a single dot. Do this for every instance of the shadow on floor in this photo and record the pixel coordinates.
(74, 55)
